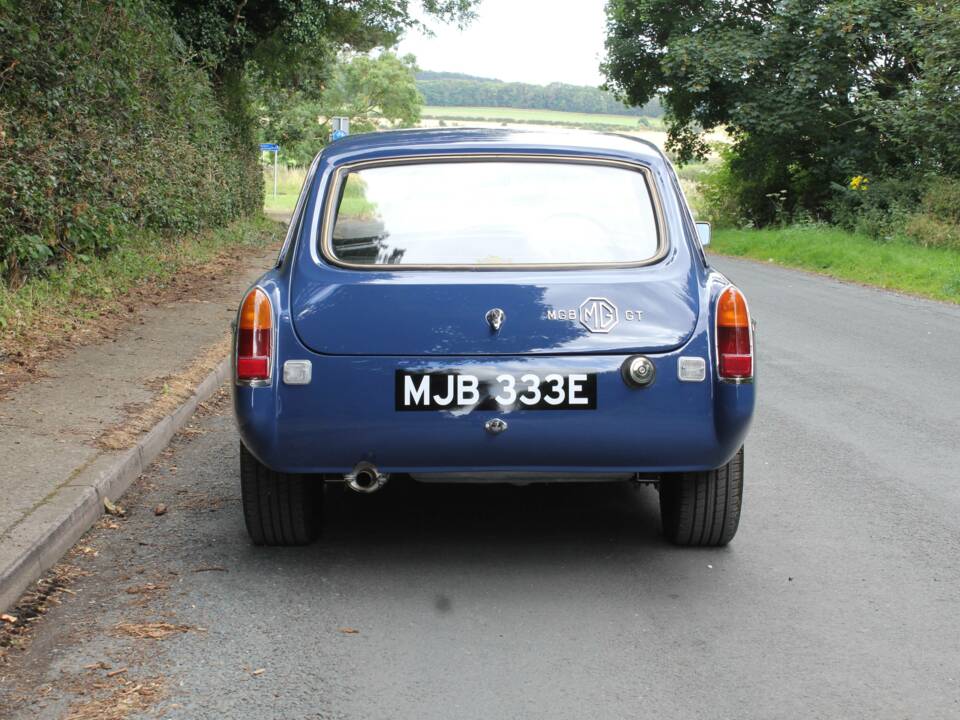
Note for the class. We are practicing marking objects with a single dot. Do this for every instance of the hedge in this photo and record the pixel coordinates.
(106, 124)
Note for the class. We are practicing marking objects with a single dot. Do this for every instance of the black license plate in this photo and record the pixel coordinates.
(454, 390)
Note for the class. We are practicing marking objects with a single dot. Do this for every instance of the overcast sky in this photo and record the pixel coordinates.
(535, 41)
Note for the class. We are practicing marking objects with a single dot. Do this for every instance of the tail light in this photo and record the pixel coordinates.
(734, 336)
(254, 337)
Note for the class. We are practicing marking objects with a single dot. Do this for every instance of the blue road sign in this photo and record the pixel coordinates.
(337, 134)
(269, 147)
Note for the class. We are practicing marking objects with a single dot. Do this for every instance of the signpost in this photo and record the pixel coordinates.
(275, 149)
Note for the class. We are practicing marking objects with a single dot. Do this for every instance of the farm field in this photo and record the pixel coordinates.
(545, 117)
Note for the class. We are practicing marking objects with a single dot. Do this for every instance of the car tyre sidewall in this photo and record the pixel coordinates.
(279, 508)
(703, 508)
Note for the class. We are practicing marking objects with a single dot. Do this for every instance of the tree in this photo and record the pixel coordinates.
(287, 38)
(796, 83)
(368, 90)
(288, 46)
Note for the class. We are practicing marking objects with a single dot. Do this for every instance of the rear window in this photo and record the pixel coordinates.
(485, 213)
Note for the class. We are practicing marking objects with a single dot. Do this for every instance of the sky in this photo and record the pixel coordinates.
(534, 41)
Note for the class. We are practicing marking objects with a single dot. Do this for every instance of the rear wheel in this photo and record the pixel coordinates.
(279, 508)
(703, 508)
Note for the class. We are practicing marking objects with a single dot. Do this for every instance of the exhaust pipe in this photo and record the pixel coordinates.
(365, 478)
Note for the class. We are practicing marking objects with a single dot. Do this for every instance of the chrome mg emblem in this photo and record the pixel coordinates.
(495, 318)
(599, 315)
(596, 314)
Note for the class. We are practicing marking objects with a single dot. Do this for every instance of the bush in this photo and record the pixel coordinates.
(938, 225)
(878, 208)
(106, 125)
(717, 199)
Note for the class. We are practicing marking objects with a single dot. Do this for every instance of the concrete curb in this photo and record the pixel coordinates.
(40, 540)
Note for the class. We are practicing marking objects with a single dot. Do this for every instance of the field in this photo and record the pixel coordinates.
(543, 117)
(289, 181)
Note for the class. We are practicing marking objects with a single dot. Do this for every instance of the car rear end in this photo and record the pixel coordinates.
(493, 316)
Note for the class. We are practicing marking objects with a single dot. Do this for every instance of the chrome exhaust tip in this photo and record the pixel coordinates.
(365, 478)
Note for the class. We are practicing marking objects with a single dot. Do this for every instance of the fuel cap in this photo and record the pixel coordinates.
(638, 371)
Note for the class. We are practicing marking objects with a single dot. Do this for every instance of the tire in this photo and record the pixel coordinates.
(703, 508)
(279, 509)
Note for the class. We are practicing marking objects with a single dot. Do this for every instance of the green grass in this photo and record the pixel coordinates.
(80, 291)
(894, 265)
(551, 117)
(289, 182)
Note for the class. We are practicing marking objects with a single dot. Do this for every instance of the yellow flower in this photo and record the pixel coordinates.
(860, 182)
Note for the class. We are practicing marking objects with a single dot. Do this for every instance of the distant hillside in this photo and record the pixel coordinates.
(448, 89)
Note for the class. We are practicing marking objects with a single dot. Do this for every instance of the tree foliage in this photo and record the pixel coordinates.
(105, 125)
(120, 114)
(458, 90)
(813, 92)
(371, 91)
(290, 39)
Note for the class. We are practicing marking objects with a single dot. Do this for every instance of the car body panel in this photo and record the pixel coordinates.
(358, 327)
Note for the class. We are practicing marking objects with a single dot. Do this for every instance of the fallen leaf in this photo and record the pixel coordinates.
(259, 671)
(152, 631)
(8, 618)
(148, 588)
(160, 509)
(114, 673)
(115, 510)
(348, 631)
(100, 665)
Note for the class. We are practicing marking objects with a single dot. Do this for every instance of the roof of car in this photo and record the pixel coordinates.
(395, 143)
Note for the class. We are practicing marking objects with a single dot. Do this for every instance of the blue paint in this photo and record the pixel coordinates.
(358, 327)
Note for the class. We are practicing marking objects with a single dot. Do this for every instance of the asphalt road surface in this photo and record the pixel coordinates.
(839, 597)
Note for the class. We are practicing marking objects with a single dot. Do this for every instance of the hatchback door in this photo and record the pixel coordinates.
(470, 256)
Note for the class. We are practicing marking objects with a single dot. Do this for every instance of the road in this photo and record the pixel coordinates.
(839, 598)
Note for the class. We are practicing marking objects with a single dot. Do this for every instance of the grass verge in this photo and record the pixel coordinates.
(50, 311)
(895, 265)
(289, 182)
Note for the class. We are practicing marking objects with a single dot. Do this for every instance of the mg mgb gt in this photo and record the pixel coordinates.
(493, 306)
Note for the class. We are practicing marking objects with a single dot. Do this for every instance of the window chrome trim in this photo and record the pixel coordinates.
(299, 211)
(338, 178)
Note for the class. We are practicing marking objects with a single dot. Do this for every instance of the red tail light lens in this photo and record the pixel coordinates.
(254, 337)
(734, 339)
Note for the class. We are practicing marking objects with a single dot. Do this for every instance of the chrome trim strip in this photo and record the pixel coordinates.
(333, 192)
(298, 211)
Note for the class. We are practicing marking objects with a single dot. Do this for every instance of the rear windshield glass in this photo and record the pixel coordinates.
(494, 213)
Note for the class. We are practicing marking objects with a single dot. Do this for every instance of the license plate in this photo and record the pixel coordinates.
(455, 390)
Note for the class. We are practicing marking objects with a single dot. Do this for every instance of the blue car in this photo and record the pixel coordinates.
(469, 305)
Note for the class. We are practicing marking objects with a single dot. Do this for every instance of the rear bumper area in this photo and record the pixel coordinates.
(347, 414)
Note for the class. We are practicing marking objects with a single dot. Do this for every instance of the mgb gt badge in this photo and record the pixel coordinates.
(596, 314)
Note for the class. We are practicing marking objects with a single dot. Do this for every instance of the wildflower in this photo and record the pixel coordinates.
(860, 182)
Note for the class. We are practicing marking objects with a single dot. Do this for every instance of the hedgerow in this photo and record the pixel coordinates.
(107, 125)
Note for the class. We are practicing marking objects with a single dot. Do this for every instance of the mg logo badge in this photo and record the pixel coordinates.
(598, 315)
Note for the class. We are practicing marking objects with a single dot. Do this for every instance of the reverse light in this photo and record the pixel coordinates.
(734, 336)
(254, 337)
